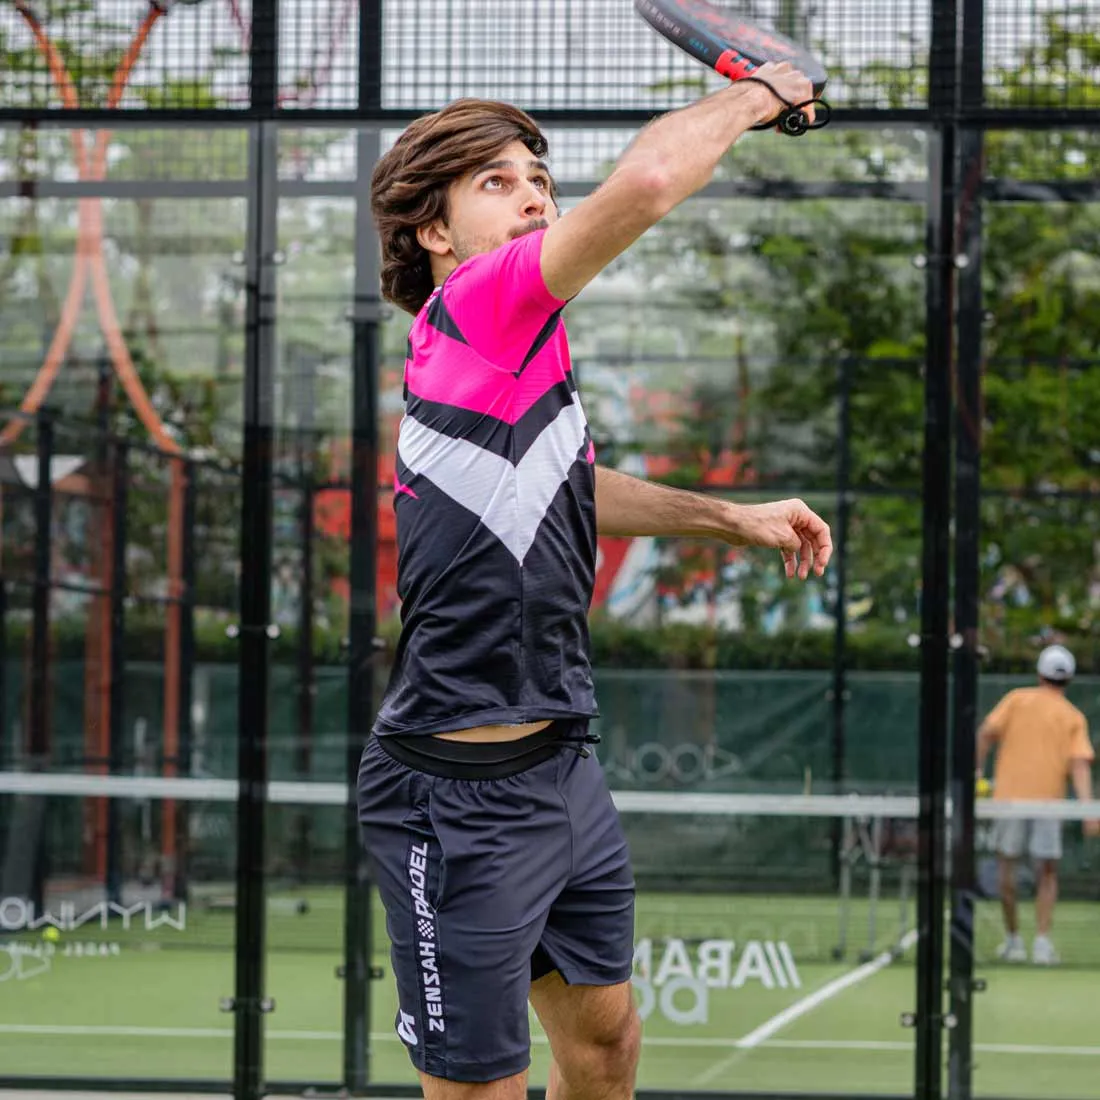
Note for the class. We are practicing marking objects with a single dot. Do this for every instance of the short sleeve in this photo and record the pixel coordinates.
(1080, 746)
(499, 300)
(998, 717)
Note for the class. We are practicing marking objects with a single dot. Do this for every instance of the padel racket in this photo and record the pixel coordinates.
(735, 47)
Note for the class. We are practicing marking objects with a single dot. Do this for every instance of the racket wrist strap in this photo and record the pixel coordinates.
(792, 119)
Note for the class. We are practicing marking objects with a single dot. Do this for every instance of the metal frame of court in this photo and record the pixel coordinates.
(955, 120)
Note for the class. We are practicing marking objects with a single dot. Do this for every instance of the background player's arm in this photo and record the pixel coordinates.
(988, 733)
(1080, 773)
(629, 506)
(670, 159)
(991, 731)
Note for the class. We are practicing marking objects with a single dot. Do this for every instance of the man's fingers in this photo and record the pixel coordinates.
(803, 539)
(806, 555)
(815, 538)
(823, 548)
(790, 562)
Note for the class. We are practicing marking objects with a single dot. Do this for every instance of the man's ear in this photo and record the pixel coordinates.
(434, 237)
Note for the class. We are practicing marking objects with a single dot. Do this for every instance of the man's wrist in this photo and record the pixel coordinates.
(729, 521)
(761, 100)
(710, 517)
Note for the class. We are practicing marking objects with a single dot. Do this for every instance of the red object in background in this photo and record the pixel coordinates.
(611, 555)
(332, 518)
(332, 513)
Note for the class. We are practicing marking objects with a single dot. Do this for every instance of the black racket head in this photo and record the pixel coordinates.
(731, 45)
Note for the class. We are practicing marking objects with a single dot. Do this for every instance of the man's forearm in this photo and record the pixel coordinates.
(682, 149)
(1081, 774)
(627, 505)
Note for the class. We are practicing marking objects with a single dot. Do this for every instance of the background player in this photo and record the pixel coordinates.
(1041, 740)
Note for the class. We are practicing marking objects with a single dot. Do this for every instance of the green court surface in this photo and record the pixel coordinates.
(781, 1013)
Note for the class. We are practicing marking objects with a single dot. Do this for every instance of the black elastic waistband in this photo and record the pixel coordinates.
(486, 759)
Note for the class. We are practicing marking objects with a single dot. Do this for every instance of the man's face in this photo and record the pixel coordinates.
(497, 202)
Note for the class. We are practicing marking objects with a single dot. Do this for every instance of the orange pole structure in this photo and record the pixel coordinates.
(90, 261)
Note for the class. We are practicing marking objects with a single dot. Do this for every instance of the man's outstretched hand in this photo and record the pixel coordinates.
(788, 526)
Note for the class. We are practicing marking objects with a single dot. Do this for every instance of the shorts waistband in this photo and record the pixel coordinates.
(486, 760)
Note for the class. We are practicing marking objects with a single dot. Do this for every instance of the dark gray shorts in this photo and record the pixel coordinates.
(488, 884)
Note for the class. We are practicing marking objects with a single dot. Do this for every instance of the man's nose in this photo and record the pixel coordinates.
(534, 203)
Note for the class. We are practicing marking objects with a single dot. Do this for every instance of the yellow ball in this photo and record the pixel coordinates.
(984, 788)
(51, 934)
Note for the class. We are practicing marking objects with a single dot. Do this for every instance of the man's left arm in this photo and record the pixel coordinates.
(1080, 771)
(627, 505)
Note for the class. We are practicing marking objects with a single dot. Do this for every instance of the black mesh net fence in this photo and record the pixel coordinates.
(593, 56)
(597, 54)
(1042, 54)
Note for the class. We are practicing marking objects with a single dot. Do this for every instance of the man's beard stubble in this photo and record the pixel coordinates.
(533, 226)
(463, 249)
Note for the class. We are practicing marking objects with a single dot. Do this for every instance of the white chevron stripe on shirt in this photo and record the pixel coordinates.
(511, 500)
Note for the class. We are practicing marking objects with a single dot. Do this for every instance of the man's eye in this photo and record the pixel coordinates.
(494, 180)
(543, 182)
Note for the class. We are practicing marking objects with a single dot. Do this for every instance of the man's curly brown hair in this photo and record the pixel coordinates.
(410, 183)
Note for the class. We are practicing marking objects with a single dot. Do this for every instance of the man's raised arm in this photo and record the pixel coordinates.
(671, 159)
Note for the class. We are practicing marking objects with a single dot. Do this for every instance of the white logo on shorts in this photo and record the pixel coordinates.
(431, 981)
(405, 1029)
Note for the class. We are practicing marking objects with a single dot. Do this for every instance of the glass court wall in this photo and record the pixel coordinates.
(200, 392)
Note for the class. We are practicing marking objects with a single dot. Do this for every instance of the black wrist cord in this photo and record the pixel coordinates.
(792, 120)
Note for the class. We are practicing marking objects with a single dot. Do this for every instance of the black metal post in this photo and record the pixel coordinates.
(839, 690)
(120, 485)
(840, 565)
(967, 603)
(256, 557)
(936, 559)
(5, 750)
(38, 726)
(968, 528)
(38, 741)
(104, 377)
(366, 357)
(186, 675)
(370, 66)
(307, 678)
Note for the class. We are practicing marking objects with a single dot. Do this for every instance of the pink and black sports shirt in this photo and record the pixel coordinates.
(495, 504)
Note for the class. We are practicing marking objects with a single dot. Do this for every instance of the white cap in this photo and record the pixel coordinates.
(1056, 663)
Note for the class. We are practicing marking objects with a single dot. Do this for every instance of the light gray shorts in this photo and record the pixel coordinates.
(1042, 838)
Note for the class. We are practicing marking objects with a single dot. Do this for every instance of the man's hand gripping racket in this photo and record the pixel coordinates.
(739, 49)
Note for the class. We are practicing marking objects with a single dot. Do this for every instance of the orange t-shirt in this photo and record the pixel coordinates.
(1038, 732)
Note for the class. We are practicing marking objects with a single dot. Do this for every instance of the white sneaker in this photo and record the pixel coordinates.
(1013, 949)
(1043, 953)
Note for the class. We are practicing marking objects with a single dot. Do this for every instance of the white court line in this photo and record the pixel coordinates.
(830, 989)
(766, 1030)
(123, 1032)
